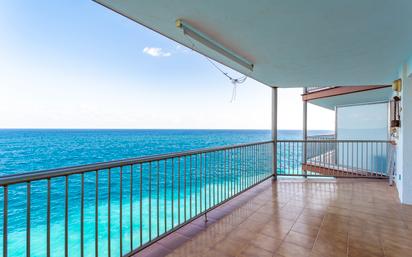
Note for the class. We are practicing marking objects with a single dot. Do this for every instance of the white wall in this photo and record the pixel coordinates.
(404, 144)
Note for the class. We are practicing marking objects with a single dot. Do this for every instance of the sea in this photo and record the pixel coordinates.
(28, 150)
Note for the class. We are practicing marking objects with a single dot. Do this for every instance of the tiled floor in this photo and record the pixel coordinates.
(343, 217)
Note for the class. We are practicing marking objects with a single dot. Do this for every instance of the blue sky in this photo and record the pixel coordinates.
(75, 64)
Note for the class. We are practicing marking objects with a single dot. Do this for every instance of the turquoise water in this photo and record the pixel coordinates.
(29, 150)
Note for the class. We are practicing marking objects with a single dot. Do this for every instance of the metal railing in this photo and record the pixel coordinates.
(338, 158)
(117, 208)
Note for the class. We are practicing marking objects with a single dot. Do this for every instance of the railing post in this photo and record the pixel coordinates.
(305, 131)
(274, 130)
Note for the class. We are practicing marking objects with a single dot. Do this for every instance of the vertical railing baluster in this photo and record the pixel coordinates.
(253, 168)
(252, 149)
(184, 187)
(121, 210)
(5, 219)
(178, 190)
(289, 159)
(226, 174)
(352, 156)
(28, 225)
(286, 169)
(82, 216)
(213, 179)
(109, 241)
(245, 163)
(96, 223)
(347, 152)
(48, 217)
(209, 178)
(195, 184)
(249, 161)
(158, 199)
(173, 189)
(227, 164)
(362, 168)
(293, 159)
(357, 157)
(150, 201)
(237, 167)
(241, 168)
(252, 157)
(141, 204)
(238, 175)
(190, 186)
(382, 162)
(373, 173)
(200, 180)
(66, 217)
(131, 207)
(205, 172)
(245, 167)
(219, 176)
(279, 158)
(165, 194)
(367, 158)
(230, 172)
(216, 178)
(257, 163)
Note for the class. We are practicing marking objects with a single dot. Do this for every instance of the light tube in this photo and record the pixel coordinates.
(207, 41)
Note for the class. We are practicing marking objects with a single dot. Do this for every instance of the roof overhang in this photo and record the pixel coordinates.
(291, 43)
(343, 96)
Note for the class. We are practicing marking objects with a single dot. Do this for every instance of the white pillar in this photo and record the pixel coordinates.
(404, 160)
(305, 129)
(274, 130)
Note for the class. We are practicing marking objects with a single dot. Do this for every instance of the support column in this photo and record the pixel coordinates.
(404, 146)
(274, 130)
(305, 130)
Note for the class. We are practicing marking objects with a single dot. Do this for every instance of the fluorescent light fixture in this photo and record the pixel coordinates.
(207, 41)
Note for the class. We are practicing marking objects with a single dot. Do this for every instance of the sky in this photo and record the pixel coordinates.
(76, 64)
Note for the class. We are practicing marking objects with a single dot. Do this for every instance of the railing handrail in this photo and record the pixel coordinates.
(66, 171)
(335, 141)
(24, 177)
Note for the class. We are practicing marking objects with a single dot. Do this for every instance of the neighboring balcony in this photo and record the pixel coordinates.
(223, 200)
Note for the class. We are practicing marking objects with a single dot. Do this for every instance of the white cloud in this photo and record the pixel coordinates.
(156, 52)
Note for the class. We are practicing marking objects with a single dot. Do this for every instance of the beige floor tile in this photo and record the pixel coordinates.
(300, 239)
(253, 251)
(267, 243)
(297, 217)
(291, 250)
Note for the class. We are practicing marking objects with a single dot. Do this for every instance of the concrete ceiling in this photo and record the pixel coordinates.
(292, 43)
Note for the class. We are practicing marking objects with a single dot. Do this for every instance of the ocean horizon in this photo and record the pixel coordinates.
(27, 150)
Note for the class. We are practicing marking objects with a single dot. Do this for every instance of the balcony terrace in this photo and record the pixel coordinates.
(224, 201)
